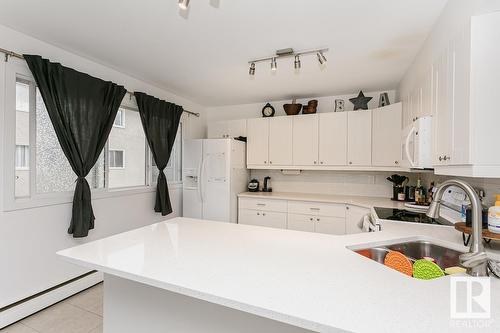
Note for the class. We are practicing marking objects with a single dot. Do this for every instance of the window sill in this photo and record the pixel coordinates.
(54, 199)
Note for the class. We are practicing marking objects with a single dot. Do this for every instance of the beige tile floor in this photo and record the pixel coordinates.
(81, 313)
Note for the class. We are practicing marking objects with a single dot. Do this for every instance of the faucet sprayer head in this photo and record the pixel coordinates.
(433, 211)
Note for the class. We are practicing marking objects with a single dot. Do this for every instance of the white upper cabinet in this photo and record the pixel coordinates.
(386, 150)
(227, 129)
(280, 141)
(459, 57)
(305, 140)
(463, 80)
(327, 141)
(359, 138)
(333, 139)
(258, 142)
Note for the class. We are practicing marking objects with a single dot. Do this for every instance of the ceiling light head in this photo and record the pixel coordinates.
(251, 71)
(183, 4)
(321, 57)
(297, 62)
(274, 65)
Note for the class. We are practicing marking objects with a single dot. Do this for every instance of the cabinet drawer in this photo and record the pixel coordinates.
(262, 218)
(263, 204)
(314, 208)
(301, 222)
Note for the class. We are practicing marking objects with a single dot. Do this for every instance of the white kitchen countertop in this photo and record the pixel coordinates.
(361, 201)
(304, 279)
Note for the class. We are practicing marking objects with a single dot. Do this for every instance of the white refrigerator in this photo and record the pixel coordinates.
(214, 173)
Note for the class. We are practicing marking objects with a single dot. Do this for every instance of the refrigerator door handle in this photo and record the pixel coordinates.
(198, 188)
(201, 178)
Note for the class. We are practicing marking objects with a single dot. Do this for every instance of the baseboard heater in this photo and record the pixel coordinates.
(21, 309)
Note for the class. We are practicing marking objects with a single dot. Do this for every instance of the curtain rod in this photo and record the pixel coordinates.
(20, 56)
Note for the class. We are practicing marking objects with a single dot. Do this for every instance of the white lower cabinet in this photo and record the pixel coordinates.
(263, 218)
(301, 222)
(354, 216)
(330, 225)
(314, 223)
(334, 218)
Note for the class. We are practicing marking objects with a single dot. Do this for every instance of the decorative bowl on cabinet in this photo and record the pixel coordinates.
(292, 109)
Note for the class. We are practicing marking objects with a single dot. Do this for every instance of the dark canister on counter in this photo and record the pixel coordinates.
(410, 193)
(468, 217)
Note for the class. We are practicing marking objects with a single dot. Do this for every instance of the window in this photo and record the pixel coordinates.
(22, 157)
(116, 159)
(42, 171)
(120, 119)
(132, 140)
(53, 171)
(22, 96)
(22, 140)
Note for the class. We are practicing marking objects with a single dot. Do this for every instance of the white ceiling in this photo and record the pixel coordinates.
(202, 54)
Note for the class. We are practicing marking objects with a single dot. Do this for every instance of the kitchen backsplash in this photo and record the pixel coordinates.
(331, 182)
(490, 186)
(361, 183)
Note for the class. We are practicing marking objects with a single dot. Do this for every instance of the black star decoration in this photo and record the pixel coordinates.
(360, 102)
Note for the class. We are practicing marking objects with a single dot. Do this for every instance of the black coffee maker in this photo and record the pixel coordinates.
(267, 186)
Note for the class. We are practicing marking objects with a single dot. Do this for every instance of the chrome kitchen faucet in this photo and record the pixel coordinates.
(475, 261)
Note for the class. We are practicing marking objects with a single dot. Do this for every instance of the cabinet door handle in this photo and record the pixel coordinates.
(440, 158)
(396, 162)
(261, 204)
(270, 162)
(350, 162)
(258, 213)
(347, 207)
(263, 214)
(311, 219)
(321, 162)
(265, 162)
(317, 220)
(314, 208)
(315, 162)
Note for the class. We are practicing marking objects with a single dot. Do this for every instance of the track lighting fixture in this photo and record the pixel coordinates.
(285, 53)
(183, 4)
(297, 62)
(274, 65)
(251, 71)
(321, 57)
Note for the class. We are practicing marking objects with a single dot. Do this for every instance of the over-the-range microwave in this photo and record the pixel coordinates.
(417, 144)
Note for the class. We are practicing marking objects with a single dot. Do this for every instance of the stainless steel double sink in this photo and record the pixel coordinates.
(413, 248)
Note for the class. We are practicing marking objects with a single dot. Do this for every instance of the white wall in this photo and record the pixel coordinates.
(29, 238)
(325, 104)
(453, 18)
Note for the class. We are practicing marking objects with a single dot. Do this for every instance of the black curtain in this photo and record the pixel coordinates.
(160, 121)
(82, 110)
